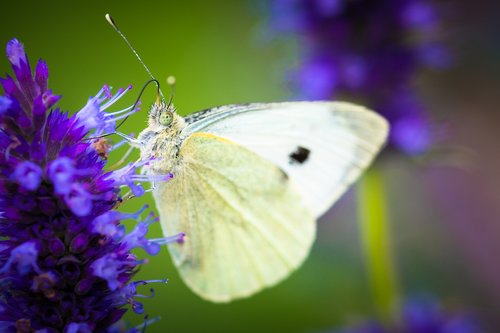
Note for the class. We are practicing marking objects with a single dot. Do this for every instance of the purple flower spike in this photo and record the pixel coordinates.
(369, 51)
(65, 260)
(423, 316)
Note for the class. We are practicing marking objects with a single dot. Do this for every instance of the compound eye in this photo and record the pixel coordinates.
(166, 118)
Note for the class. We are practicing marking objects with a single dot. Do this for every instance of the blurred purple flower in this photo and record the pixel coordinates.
(422, 316)
(369, 51)
(65, 260)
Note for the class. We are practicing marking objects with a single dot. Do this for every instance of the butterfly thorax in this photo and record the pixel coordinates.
(161, 140)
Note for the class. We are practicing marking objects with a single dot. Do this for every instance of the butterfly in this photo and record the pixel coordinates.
(249, 182)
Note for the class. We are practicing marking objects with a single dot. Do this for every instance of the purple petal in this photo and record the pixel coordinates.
(317, 79)
(61, 172)
(57, 247)
(78, 328)
(42, 75)
(90, 115)
(108, 268)
(419, 15)
(9, 85)
(329, 7)
(15, 53)
(79, 200)
(28, 175)
(5, 104)
(25, 256)
(412, 135)
(79, 243)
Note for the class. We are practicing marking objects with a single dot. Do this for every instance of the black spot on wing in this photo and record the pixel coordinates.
(299, 156)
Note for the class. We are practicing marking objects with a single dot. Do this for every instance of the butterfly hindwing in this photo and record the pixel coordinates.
(247, 227)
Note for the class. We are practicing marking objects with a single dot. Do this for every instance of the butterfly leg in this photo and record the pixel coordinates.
(131, 141)
(123, 159)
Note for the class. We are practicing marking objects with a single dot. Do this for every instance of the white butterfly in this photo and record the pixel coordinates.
(249, 183)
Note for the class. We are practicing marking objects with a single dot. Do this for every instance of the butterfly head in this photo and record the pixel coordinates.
(163, 116)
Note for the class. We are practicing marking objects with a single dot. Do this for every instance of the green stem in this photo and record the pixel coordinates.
(376, 243)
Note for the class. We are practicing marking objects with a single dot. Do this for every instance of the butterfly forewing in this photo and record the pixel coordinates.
(322, 146)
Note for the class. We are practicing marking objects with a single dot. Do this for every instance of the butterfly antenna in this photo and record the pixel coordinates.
(113, 24)
(139, 98)
(171, 83)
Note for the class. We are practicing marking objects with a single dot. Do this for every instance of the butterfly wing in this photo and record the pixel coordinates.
(322, 146)
(246, 225)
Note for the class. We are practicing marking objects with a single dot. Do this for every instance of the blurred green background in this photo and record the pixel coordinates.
(220, 54)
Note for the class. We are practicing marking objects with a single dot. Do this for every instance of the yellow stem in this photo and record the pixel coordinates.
(376, 243)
